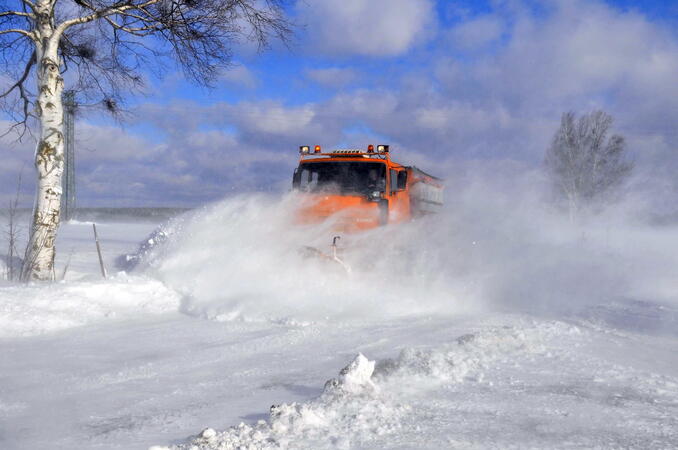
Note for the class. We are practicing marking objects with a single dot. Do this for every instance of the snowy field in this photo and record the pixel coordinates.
(493, 325)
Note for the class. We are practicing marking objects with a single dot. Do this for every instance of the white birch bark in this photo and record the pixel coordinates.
(49, 154)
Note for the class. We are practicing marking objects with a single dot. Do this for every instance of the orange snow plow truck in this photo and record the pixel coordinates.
(362, 189)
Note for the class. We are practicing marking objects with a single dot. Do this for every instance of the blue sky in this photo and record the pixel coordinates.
(447, 84)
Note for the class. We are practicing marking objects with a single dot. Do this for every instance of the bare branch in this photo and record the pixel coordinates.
(138, 31)
(28, 34)
(98, 14)
(17, 13)
(22, 122)
(29, 4)
(21, 80)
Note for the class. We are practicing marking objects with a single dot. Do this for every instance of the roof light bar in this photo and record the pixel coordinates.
(317, 149)
(370, 148)
(304, 149)
(382, 148)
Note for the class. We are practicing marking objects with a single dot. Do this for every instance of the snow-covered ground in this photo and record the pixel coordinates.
(493, 325)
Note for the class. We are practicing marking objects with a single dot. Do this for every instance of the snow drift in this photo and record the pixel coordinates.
(369, 403)
(351, 408)
(37, 309)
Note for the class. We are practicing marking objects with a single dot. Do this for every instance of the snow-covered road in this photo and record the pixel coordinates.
(503, 382)
(154, 356)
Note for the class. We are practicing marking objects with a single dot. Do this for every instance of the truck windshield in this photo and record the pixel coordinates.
(343, 177)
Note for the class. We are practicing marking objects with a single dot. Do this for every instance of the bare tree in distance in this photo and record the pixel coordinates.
(585, 165)
(100, 49)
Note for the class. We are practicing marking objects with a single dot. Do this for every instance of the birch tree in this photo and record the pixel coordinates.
(586, 166)
(100, 48)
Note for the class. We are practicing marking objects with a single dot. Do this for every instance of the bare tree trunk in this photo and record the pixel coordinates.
(49, 157)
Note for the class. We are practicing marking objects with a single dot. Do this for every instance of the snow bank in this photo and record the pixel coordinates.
(36, 309)
(368, 402)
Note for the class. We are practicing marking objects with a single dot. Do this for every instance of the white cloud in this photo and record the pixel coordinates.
(239, 76)
(366, 27)
(110, 143)
(477, 33)
(583, 49)
(272, 118)
(334, 77)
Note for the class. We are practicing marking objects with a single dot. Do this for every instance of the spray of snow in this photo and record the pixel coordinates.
(241, 259)
(492, 247)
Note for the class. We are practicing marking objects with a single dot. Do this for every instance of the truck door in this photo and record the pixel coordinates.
(399, 202)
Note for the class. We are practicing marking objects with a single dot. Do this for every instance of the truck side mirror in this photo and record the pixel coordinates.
(296, 178)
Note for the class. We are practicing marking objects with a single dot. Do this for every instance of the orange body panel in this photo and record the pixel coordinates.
(350, 212)
(354, 211)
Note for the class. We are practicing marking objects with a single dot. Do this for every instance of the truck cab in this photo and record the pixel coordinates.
(359, 189)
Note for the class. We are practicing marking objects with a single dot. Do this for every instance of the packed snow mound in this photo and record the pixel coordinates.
(27, 310)
(349, 410)
(356, 376)
(369, 400)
